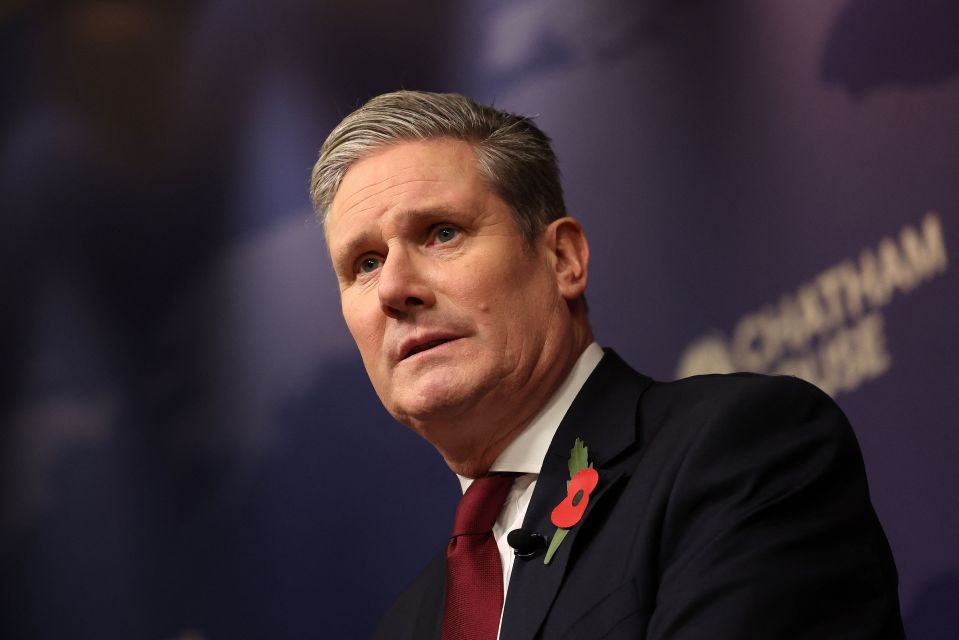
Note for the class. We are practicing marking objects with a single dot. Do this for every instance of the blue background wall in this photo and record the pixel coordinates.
(189, 447)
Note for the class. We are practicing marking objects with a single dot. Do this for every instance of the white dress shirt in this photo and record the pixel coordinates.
(526, 453)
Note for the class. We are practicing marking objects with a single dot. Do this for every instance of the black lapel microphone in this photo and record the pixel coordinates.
(526, 544)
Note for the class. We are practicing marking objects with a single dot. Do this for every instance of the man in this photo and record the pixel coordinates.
(713, 507)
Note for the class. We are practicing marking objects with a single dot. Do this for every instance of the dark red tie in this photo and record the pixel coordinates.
(474, 574)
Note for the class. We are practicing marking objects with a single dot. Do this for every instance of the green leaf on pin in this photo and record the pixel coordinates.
(578, 457)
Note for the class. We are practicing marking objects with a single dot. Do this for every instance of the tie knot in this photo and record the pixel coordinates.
(480, 505)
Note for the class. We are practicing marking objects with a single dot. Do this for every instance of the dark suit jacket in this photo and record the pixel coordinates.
(728, 507)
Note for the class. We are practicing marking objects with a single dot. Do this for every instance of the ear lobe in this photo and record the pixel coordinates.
(571, 256)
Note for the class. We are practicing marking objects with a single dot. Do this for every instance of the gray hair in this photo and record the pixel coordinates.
(514, 155)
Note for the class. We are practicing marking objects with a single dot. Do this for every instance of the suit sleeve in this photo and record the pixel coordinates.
(416, 614)
(769, 531)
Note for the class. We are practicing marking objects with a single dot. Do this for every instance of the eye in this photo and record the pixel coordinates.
(445, 234)
(368, 264)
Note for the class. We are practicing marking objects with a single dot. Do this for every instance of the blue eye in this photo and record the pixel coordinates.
(445, 234)
(368, 265)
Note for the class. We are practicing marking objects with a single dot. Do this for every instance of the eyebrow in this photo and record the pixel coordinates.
(352, 246)
(408, 217)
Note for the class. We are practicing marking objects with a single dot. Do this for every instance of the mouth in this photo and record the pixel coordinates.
(420, 347)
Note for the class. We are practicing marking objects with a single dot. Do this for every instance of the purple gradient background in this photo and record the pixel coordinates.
(189, 447)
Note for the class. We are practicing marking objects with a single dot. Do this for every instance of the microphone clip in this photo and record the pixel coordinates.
(526, 544)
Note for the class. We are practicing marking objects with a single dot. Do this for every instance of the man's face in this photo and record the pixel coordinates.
(454, 317)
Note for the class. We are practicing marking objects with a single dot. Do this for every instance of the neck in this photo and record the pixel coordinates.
(480, 440)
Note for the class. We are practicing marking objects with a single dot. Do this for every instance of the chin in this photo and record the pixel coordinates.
(438, 393)
(432, 409)
(431, 403)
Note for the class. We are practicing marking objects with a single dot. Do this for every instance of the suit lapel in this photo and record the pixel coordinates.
(604, 416)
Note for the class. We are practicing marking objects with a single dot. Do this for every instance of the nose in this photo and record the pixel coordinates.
(403, 284)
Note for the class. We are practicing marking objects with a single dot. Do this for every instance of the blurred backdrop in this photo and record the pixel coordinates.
(190, 448)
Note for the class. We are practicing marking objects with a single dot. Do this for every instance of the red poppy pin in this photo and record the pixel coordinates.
(583, 478)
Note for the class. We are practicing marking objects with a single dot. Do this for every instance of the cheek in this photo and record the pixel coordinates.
(514, 312)
(363, 326)
(499, 291)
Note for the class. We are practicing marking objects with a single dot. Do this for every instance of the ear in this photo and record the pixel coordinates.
(569, 250)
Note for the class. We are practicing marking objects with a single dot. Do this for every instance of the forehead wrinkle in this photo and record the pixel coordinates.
(394, 175)
(367, 187)
(349, 205)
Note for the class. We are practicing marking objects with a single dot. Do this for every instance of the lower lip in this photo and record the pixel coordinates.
(431, 350)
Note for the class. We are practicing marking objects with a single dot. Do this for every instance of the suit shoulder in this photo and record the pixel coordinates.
(725, 384)
(759, 488)
(732, 391)
(752, 405)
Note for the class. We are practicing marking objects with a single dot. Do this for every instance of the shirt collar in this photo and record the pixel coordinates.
(525, 454)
